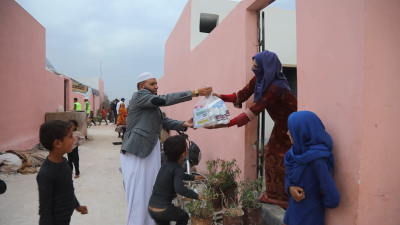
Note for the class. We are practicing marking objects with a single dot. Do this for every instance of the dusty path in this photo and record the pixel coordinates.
(99, 187)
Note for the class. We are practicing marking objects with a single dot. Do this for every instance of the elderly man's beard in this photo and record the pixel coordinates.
(150, 90)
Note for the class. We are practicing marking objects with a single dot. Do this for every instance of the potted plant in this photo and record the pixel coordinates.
(229, 173)
(214, 182)
(202, 211)
(250, 190)
(233, 215)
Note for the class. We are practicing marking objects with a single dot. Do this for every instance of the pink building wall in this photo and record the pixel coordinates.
(28, 91)
(348, 67)
(223, 61)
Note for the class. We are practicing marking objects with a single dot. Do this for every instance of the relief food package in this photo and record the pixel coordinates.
(210, 111)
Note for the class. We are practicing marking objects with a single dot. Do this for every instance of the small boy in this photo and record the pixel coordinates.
(73, 157)
(103, 115)
(91, 118)
(57, 199)
(169, 182)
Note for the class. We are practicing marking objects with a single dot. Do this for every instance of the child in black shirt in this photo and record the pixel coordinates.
(57, 199)
(91, 118)
(169, 182)
(73, 157)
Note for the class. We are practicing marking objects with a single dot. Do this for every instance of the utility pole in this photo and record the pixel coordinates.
(101, 73)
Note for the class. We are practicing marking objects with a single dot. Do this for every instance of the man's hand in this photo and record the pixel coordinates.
(198, 178)
(82, 209)
(216, 126)
(297, 193)
(217, 95)
(205, 91)
(189, 123)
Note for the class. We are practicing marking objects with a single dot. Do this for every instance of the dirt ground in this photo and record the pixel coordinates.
(99, 187)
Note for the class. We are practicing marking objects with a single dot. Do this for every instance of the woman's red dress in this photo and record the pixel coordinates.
(279, 103)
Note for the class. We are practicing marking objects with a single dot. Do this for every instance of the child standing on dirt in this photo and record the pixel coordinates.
(309, 169)
(103, 115)
(57, 200)
(73, 157)
(91, 118)
(169, 182)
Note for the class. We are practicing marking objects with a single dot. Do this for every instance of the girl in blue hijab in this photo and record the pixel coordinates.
(309, 170)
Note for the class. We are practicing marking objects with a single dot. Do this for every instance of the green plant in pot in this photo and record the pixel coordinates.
(250, 191)
(214, 182)
(233, 215)
(228, 175)
(202, 211)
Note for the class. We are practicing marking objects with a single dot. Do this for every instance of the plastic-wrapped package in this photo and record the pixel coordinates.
(210, 111)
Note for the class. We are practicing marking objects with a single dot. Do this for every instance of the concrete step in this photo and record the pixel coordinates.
(272, 214)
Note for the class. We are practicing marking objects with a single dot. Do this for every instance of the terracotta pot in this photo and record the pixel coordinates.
(217, 202)
(201, 221)
(252, 216)
(233, 220)
(230, 195)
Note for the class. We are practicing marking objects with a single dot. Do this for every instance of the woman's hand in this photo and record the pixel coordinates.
(217, 95)
(297, 193)
(216, 126)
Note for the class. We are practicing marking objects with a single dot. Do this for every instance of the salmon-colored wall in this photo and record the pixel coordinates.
(28, 91)
(347, 64)
(23, 84)
(379, 164)
(223, 61)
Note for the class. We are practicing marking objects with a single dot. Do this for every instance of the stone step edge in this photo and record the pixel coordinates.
(272, 214)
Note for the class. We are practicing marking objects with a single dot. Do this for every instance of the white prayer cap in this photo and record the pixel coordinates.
(86, 98)
(145, 76)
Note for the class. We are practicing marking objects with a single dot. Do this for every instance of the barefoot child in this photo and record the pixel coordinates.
(73, 157)
(169, 182)
(309, 164)
(57, 199)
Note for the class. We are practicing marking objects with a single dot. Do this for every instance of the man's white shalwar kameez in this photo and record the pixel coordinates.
(139, 177)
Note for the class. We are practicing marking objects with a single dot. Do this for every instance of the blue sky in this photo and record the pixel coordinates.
(128, 36)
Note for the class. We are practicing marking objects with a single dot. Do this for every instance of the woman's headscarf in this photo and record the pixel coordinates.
(269, 69)
(122, 110)
(310, 142)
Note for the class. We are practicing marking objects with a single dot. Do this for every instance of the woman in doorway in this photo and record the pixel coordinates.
(122, 114)
(272, 93)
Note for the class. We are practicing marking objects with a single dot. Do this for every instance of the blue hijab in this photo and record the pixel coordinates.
(310, 142)
(269, 70)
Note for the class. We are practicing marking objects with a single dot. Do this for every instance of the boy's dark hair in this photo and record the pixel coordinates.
(174, 147)
(53, 130)
(75, 99)
(75, 123)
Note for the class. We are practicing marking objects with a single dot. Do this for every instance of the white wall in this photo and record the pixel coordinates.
(219, 7)
(280, 37)
(280, 34)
